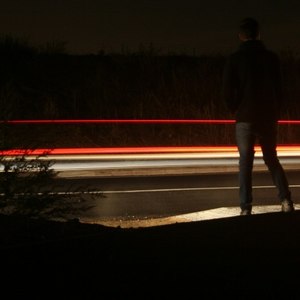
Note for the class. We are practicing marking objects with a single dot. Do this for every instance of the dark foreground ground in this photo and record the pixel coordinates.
(245, 257)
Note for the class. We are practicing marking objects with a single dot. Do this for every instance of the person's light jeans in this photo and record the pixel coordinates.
(266, 134)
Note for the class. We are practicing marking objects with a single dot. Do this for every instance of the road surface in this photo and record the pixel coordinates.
(130, 190)
(140, 198)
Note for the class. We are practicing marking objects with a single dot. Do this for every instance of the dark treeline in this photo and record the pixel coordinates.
(43, 85)
(48, 83)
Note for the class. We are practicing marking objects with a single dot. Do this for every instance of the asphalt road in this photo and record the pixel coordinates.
(153, 186)
(157, 196)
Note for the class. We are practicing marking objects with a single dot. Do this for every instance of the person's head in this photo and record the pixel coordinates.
(249, 29)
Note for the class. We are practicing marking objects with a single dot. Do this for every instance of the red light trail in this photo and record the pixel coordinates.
(135, 121)
(134, 150)
(138, 150)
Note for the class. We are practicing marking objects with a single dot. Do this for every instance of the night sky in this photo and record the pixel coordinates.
(189, 26)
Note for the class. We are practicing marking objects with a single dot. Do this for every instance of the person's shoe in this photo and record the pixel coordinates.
(245, 212)
(287, 206)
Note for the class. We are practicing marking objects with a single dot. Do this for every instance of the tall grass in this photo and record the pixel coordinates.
(44, 84)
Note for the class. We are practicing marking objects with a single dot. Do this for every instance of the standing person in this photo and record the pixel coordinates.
(252, 91)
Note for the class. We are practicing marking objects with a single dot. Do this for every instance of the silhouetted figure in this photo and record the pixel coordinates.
(252, 90)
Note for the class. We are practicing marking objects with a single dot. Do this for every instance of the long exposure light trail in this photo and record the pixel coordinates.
(177, 152)
(135, 121)
(146, 152)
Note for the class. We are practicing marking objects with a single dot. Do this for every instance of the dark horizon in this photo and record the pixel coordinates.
(189, 26)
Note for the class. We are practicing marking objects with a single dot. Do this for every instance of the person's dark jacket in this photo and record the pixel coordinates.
(252, 87)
